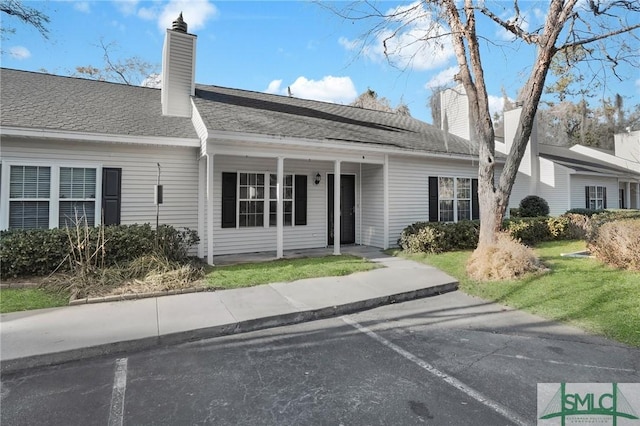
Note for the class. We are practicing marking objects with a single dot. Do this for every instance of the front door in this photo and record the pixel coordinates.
(347, 209)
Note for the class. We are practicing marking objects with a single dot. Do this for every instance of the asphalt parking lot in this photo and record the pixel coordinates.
(445, 360)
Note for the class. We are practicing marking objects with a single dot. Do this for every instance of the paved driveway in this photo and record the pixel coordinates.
(449, 359)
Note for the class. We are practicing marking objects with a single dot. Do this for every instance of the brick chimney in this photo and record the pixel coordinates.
(178, 70)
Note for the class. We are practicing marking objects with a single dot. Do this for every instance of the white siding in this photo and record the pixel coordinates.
(179, 175)
(578, 183)
(409, 188)
(372, 205)
(554, 186)
(627, 146)
(256, 239)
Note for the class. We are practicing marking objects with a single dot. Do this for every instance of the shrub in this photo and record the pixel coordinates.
(529, 231)
(583, 212)
(566, 227)
(533, 206)
(507, 259)
(43, 251)
(438, 237)
(514, 212)
(617, 243)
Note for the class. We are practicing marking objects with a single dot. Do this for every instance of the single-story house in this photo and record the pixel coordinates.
(567, 178)
(249, 171)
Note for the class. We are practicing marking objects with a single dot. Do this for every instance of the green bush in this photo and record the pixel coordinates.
(40, 252)
(438, 237)
(529, 231)
(584, 212)
(533, 206)
(617, 243)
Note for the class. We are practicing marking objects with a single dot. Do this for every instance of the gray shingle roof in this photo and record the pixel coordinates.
(44, 101)
(237, 110)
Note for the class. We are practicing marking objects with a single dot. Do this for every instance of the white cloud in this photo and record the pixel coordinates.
(443, 78)
(328, 89)
(274, 87)
(148, 14)
(194, 12)
(523, 21)
(496, 104)
(19, 52)
(127, 7)
(82, 6)
(416, 40)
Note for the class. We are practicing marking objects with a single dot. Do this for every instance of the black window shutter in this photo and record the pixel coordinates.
(475, 205)
(301, 199)
(111, 195)
(604, 195)
(586, 197)
(229, 200)
(433, 198)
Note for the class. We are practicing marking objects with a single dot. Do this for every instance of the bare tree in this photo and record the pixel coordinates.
(370, 100)
(567, 27)
(132, 70)
(25, 14)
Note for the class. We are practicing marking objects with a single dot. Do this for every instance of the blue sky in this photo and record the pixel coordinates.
(268, 46)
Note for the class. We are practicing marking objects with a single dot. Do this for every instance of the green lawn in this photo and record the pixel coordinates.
(23, 299)
(579, 291)
(285, 270)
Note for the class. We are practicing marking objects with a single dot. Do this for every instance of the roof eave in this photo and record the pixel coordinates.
(98, 137)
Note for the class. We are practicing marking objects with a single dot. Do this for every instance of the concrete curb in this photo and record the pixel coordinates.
(14, 365)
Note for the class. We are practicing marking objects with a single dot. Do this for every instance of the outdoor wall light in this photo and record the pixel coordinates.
(317, 181)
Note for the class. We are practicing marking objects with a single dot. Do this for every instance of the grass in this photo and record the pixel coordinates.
(285, 270)
(579, 291)
(23, 299)
(220, 277)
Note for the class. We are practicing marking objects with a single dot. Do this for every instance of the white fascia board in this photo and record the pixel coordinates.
(98, 137)
(357, 148)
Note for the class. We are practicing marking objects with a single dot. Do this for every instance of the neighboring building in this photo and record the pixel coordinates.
(579, 177)
(249, 171)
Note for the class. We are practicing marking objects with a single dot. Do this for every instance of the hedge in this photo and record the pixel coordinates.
(38, 252)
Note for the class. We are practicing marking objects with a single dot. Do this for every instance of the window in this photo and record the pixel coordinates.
(77, 195)
(246, 191)
(29, 193)
(49, 196)
(596, 197)
(251, 198)
(287, 199)
(452, 199)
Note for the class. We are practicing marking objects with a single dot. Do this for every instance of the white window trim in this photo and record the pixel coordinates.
(54, 195)
(595, 199)
(292, 199)
(455, 198)
(267, 199)
(265, 210)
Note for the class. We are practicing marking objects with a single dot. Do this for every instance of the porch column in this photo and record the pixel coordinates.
(627, 195)
(279, 210)
(210, 209)
(385, 183)
(202, 187)
(336, 207)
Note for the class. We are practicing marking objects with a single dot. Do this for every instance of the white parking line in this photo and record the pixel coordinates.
(498, 408)
(116, 413)
(550, 361)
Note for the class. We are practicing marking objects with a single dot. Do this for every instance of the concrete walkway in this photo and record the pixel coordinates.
(51, 336)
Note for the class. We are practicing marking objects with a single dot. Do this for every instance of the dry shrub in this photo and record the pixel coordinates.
(508, 259)
(617, 243)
